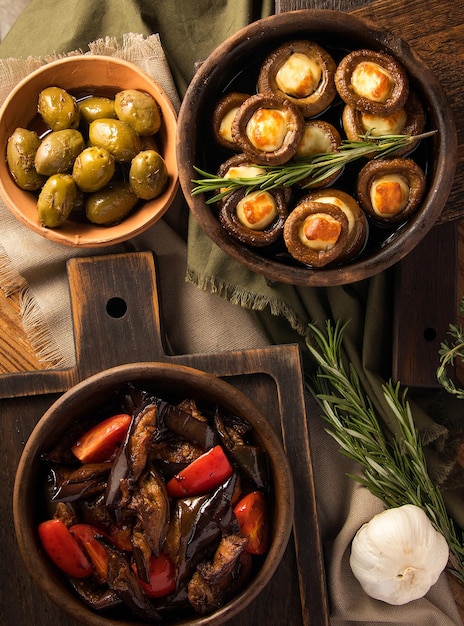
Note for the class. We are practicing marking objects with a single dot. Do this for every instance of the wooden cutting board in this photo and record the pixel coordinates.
(117, 320)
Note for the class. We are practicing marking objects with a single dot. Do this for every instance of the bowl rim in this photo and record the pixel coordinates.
(29, 545)
(445, 143)
(105, 235)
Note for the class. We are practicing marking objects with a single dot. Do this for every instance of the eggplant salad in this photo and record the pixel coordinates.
(161, 508)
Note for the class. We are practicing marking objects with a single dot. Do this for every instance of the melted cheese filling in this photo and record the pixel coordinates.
(389, 194)
(243, 171)
(370, 80)
(256, 210)
(225, 127)
(314, 141)
(299, 76)
(341, 205)
(319, 231)
(267, 129)
(384, 125)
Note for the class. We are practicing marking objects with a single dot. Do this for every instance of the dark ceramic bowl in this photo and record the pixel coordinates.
(234, 66)
(175, 381)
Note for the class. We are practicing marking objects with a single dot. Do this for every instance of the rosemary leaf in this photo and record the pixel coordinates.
(393, 470)
(449, 353)
(314, 168)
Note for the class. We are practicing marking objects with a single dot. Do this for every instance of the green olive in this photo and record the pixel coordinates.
(56, 200)
(111, 204)
(58, 108)
(57, 151)
(148, 174)
(20, 155)
(115, 136)
(96, 107)
(93, 168)
(139, 110)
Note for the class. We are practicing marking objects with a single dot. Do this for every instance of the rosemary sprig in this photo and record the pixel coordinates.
(449, 352)
(317, 167)
(393, 470)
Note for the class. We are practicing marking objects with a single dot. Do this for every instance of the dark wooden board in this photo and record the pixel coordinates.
(102, 287)
(425, 305)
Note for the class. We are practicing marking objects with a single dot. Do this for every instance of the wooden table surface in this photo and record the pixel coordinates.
(435, 30)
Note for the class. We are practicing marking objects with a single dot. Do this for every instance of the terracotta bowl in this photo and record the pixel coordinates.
(102, 76)
(234, 66)
(169, 380)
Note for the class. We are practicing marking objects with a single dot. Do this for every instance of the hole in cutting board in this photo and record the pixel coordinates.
(116, 307)
(430, 334)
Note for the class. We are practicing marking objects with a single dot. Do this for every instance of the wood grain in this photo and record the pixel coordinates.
(16, 352)
(425, 305)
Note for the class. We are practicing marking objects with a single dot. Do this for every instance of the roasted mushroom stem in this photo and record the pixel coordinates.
(409, 120)
(257, 218)
(357, 223)
(301, 71)
(390, 190)
(223, 116)
(372, 81)
(315, 233)
(268, 129)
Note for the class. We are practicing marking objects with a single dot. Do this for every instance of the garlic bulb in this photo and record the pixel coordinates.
(398, 555)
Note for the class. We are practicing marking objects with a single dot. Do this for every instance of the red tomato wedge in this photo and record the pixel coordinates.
(162, 575)
(63, 549)
(100, 442)
(251, 514)
(86, 536)
(207, 472)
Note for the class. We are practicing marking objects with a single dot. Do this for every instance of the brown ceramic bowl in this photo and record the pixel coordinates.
(234, 66)
(94, 392)
(102, 76)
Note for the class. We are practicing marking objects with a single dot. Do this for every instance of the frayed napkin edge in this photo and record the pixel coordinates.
(246, 299)
(37, 331)
(41, 339)
(132, 47)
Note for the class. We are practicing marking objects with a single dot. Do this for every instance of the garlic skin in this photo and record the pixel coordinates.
(398, 555)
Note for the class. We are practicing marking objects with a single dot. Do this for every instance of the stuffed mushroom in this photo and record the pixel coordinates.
(315, 233)
(409, 120)
(301, 71)
(371, 81)
(223, 117)
(390, 190)
(268, 129)
(357, 233)
(256, 218)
